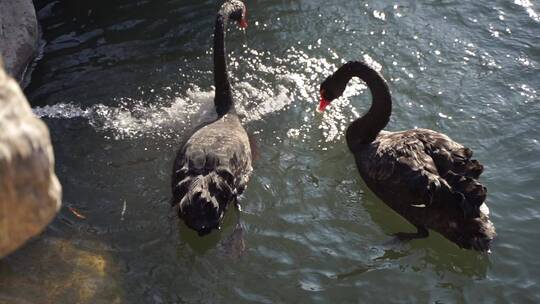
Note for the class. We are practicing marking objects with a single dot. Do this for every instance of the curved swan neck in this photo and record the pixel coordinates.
(223, 97)
(365, 129)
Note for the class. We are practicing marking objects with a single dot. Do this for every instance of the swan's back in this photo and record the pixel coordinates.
(432, 181)
(421, 149)
(227, 139)
(211, 169)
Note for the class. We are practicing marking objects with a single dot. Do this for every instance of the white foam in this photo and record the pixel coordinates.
(529, 8)
(268, 84)
(379, 15)
(61, 110)
(134, 118)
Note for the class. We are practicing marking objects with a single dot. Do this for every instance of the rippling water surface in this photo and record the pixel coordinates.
(121, 83)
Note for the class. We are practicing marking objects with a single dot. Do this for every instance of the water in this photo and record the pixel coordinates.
(121, 82)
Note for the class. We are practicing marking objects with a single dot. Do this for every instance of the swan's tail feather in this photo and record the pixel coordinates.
(462, 162)
(201, 200)
(443, 195)
(468, 225)
(217, 183)
(482, 240)
(474, 233)
(464, 153)
(468, 167)
(474, 193)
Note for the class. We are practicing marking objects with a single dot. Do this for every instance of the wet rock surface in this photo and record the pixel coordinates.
(18, 35)
(30, 194)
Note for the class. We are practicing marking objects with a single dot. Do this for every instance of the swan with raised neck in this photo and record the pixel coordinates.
(236, 11)
(214, 164)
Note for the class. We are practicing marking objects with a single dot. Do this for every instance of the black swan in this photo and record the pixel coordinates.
(214, 164)
(423, 175)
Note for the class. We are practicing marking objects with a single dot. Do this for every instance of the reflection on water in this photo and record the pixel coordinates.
(121, 83)
(229, 240)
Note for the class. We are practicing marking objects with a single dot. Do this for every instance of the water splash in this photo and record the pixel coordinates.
(529, 8)
(379, 15)
(134, 119)
(269, 84)
(528, 92)
(62, 110)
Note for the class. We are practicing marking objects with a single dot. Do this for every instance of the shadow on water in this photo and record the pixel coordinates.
(229, 240)
(433, 253)
(388, 257)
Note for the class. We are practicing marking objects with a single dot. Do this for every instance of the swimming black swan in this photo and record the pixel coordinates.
(214, 165)
(423, 175)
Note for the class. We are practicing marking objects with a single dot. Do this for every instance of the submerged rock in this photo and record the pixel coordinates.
(29, 190)
(18, 35)
(53, 270)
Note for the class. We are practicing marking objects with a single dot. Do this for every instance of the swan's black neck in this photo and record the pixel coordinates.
(365, 129)
(223, 98)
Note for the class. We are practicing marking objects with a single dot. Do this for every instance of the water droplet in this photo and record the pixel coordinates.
(379, 15)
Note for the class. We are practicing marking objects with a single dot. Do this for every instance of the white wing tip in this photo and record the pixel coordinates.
(484, 209)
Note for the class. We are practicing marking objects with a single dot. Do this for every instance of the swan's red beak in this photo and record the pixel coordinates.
(243, 23)
(322, 105)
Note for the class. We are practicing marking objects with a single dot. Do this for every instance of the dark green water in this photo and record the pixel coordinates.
(121, 82)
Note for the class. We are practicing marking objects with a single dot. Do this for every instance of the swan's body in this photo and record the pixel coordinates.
(423, 175)
(214, 165)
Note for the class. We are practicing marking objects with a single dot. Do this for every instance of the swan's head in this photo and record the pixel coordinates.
(331, 88)
(205, 201)
(238, 12)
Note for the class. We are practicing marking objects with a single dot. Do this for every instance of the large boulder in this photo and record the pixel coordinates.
(30, 193)
(18, 35)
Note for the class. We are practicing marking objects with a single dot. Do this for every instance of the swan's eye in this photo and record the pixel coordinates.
(327, 95)
(323, 94)
(239, 15)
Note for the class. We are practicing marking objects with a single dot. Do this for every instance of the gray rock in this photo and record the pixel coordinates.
(30, 194)
(18, 35)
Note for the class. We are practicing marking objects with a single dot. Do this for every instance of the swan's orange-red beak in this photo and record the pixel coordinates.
(243, 23)
(323, 103)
